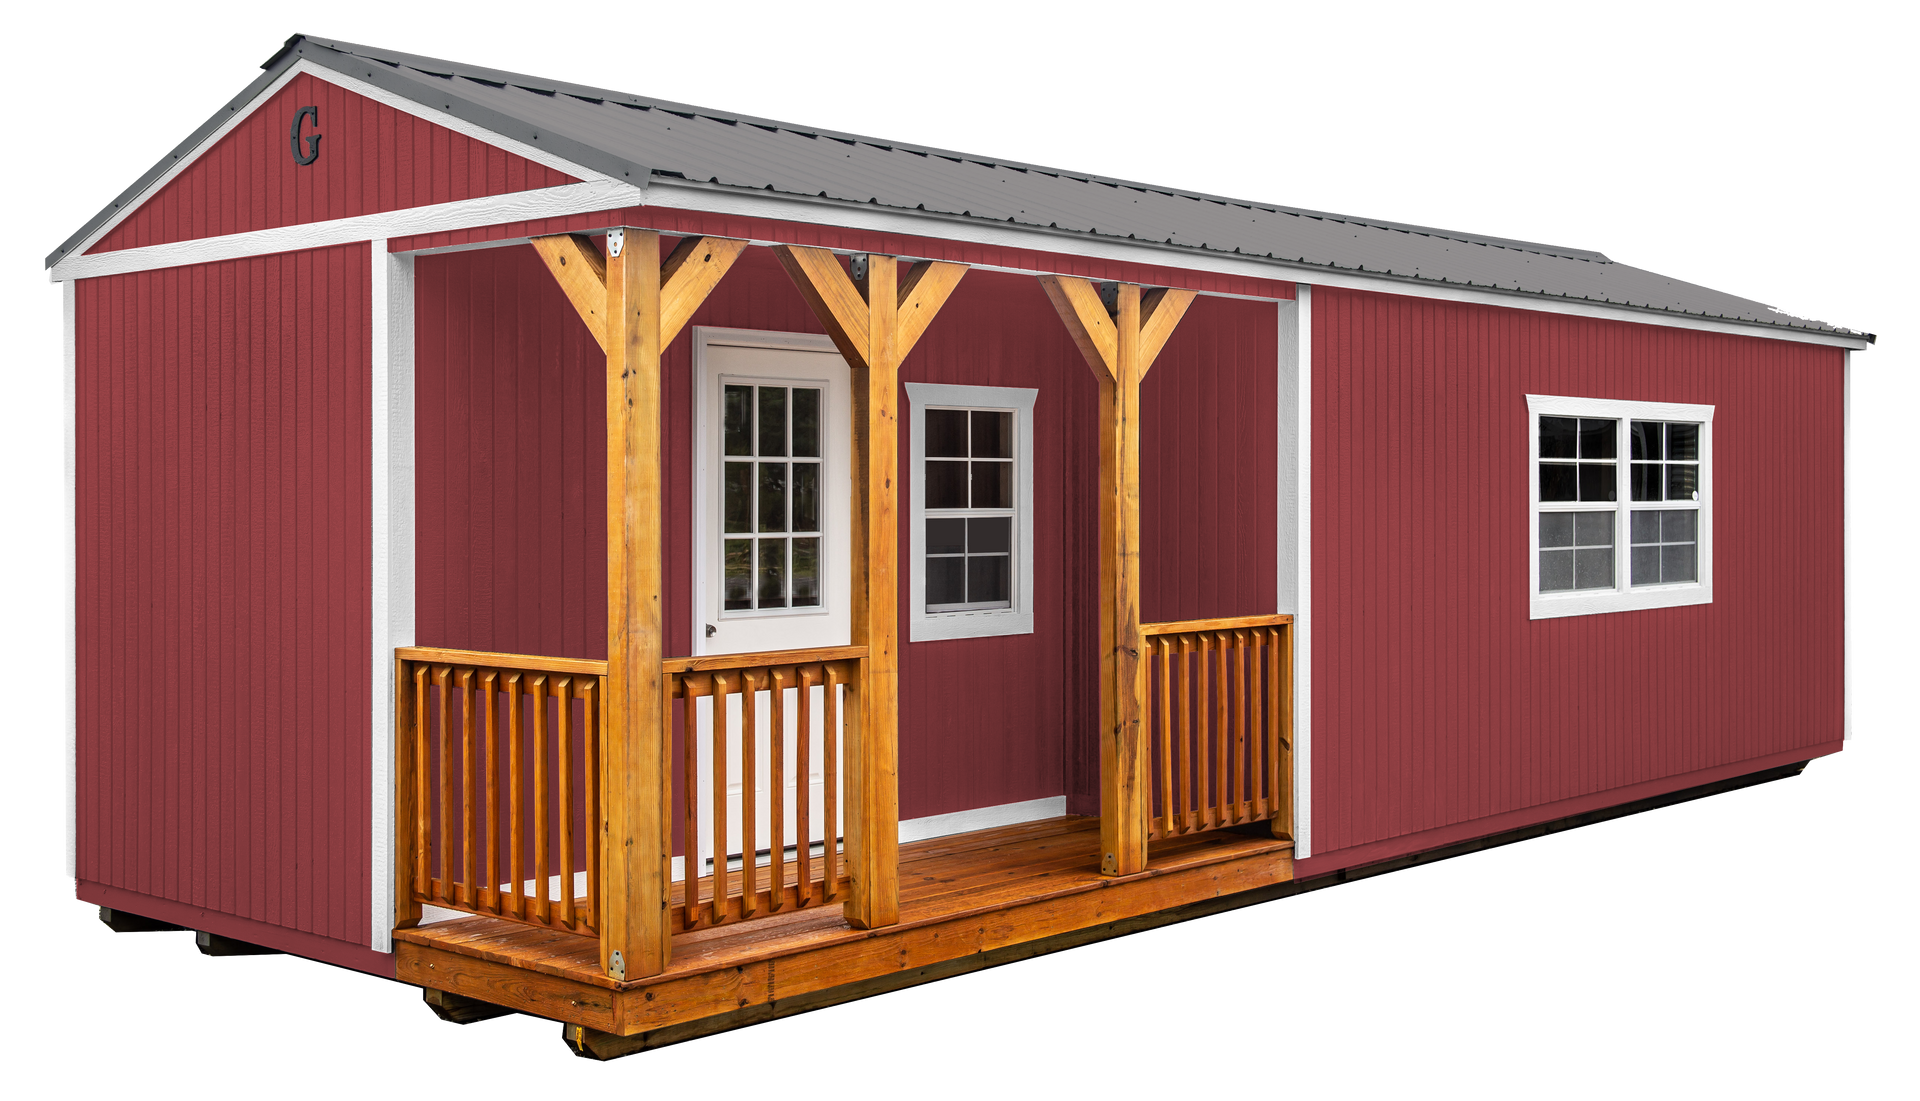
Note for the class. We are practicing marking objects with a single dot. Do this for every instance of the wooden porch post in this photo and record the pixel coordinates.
(874, 320)
(635, 306)
(1120, 339)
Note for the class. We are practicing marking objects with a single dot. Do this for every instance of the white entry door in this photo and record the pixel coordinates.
(772, 561)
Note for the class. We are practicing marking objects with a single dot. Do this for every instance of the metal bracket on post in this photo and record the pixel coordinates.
(617, 967)
(615, 239)
(857, 265)
(1110, 298)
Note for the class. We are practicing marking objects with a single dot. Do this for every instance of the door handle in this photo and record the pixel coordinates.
(710, 630)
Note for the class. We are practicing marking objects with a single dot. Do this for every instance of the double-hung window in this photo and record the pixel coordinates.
(1621, 512)
(971, 489)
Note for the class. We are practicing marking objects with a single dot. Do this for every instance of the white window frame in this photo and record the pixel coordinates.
(1017, 619)
(1624, 596)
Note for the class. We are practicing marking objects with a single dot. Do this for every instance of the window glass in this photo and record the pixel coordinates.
(968, 495)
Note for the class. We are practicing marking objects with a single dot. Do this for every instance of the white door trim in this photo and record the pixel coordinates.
(1296, 350)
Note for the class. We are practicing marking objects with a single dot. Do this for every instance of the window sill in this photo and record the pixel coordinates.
(946, 625)
(1559, 605)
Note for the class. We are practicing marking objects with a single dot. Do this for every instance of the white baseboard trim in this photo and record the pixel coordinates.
(982, 818)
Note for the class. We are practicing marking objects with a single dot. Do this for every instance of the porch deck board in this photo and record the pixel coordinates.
(958, 895)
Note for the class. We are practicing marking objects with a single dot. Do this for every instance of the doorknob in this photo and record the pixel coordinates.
(710, 630)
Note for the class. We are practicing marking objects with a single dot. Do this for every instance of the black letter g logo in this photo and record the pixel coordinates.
(313, 143)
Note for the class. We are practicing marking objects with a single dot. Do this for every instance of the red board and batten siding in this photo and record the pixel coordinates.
(511, 499)
(222, 510)
(373, 158)
(1440, 710)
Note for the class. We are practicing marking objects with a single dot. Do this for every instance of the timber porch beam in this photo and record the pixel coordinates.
(874, 318)
(1120, 338)
(635, 305)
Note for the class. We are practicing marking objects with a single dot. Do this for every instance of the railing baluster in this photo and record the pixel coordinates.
(1159, 646)
(537, 689)
(1283, 732)
(591, 690)
(830, 829)
(422, 786)
(689, 803)
(490, 735)
(1187, 793)
(749, 816)
(722, 716)
(466, 791)
(803, 789)
(515, 825)
(1233, 682)
(444, 676)
(777, 790)
(562, 690)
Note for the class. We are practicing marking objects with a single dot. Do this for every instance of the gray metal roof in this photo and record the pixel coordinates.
(639, 138)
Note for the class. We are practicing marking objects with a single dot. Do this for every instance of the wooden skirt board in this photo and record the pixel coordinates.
(959, 896)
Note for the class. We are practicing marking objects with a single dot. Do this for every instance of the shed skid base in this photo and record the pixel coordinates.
(968, 901)
(459, 1010)
(213, 944)
(122, 922)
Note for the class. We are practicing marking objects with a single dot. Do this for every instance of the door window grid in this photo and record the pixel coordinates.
(771, 557)
(969, 509)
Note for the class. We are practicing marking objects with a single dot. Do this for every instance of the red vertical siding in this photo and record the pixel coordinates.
(508, 561)
(223, 582)
(373, 158)
(1436, 700)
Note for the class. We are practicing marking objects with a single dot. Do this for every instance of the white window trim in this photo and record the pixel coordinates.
(1018, 619)
(1624, 597)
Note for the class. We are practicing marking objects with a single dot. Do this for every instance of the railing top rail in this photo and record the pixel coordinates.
(717, 662)
(1231, 623)
(486, 659)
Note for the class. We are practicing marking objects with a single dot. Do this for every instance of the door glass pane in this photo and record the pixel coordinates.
(737, 497)
(1683, 442)
(806, 496)
(947, 433)
(773, 496)
(773, 573)
(739, 574)
(773, 421)
(806, 573)
(738, 417)
(806, 422)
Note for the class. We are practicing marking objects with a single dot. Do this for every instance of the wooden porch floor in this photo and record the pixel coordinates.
(960, 896)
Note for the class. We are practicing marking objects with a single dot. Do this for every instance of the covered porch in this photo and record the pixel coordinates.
(558, 800)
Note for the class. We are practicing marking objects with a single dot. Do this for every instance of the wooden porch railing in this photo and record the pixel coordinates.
(499, 783)
(783, 685)
(1220, 723)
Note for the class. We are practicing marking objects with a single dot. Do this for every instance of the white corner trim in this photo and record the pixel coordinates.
(1849, 650)
(1624, 597)
(518, 206)
(1302, 536)
(392, 547)
(982, 818)
(358, 87)
(675, 195)
(70, 570)
(1017, 620)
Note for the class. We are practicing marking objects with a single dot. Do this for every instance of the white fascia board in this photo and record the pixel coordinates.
(518, 206)
(69, 590)
(358, 87)
(676, 195)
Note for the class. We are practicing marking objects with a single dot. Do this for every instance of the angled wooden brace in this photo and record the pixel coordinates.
(874, 322)
(635, 305)
(1120, 347)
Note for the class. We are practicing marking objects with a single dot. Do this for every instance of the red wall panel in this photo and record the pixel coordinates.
(373, 158)
(511, 433)
(222, 592)
(1436, 700)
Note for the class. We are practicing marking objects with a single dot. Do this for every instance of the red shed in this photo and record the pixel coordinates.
(660, 569)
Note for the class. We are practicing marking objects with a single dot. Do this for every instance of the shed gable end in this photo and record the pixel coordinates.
(370, 158)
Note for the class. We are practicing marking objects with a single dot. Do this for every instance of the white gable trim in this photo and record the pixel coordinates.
(516, 206)
(358, 87)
